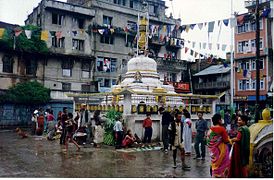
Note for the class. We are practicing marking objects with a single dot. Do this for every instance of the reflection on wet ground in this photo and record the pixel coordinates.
(37, 157)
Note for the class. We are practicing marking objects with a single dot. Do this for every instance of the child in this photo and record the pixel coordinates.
(69, 135)
(147, 124)
(241, 150)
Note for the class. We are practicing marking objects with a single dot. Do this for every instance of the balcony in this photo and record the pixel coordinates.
(212, 85)
(180, 87)
(250, 4)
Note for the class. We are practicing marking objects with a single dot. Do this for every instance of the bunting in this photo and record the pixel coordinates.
(44, 35)
(2, 30)
(211, 26)
(28, 33)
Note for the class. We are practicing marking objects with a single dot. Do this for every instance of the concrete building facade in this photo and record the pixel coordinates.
(245, 55)
(106, 30)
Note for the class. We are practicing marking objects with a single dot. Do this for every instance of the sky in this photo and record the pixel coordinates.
(190, 12)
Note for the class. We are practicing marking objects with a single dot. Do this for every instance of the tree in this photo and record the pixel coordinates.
(30, 92)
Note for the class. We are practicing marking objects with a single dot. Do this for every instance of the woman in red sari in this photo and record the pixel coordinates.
(241, 150)
(128, 140)
(219, 151)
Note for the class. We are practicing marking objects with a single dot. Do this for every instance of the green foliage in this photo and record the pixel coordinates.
(111, 118)
(111, 115)
(31, 92)
(34, 44)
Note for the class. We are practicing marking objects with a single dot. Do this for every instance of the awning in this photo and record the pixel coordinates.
(253, 98)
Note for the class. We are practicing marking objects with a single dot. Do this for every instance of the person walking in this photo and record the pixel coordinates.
(51, 125)
(69, 129)
(64, 118)
(217, 141)
(241, 150)
(166, 120)
(118, 129)
(187, 132)
(147, 124)
(202, 128)
(85, 122)
(176, 129)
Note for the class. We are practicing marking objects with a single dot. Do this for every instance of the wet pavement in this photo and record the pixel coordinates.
(37, 157)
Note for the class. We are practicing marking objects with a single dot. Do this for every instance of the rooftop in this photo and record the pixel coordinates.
(215, 69)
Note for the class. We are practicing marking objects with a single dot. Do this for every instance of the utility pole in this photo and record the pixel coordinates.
(257, 61)
(232, 64)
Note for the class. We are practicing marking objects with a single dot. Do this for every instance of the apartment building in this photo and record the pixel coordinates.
(106, 30)
(245, 55)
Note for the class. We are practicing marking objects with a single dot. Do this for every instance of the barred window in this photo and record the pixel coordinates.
(7, 64)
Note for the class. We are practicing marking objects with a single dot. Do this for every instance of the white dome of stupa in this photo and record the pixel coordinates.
(142, 63)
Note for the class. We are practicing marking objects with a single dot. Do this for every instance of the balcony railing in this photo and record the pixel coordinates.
(212, 85)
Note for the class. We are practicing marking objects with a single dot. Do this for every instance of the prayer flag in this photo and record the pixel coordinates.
(226, 21)
(200, 25)
(223, 47)
(211, 26)
(2, 30)
(209, 46)
(193, 44)
(186, 49)
(233, 22)
(28, 33)
(187, 28)
(192, 26)
(195, 54)
(204, 45)
(265, 12)
(17, 31)
(58, 34)
(44, 35)
(191, 52)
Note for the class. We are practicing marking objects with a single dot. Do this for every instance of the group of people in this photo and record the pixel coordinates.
(177, 134)
(229, 154)
(69, 125)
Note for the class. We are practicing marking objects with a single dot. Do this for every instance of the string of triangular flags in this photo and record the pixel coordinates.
(232, 21)
(44, 33)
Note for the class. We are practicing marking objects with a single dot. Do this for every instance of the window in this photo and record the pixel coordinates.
(57, 19)
(253, 85)
(261, 64)
(85, 88)
(86, 67)
(78, 44)
(131, 3)
(253, 66)
(31, 67)
(107, 20)
(244, 85)
(7, 64)
(243, 47)
(66, 86)
(101, 82)
(247, 66)
(67, 67)
(58, 42)
(172, 77)
(78, 22)
(114, 82)
(113, 65)
(105, 64)
(107, 83)
(262, 84)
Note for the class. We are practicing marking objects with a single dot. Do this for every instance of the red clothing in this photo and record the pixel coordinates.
(147, 123)
(222, 131)
(50, 117)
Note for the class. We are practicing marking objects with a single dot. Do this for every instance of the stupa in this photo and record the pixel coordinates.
(142, 76)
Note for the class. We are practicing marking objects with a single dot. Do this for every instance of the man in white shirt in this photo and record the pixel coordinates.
(118, 129)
